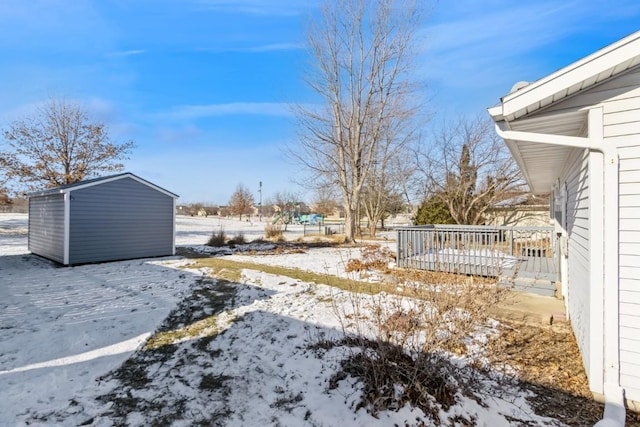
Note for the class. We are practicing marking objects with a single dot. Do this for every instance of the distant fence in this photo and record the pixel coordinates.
(479, 250)
(323, 228)
(14, 209)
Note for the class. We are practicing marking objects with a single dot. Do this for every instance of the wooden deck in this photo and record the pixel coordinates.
(521, 256)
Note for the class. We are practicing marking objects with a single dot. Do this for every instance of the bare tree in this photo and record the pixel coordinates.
(59, 145)
(284, 205)
(324, 202)
(382, 194)
(361, 62)
(241, 201)
(469, 169)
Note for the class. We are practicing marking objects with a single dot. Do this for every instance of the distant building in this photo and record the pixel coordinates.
(523, 210)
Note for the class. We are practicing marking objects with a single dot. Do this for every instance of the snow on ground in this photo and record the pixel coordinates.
(69, 337)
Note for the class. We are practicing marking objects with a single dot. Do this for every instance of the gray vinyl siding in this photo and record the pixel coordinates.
(46, 226)
(579, 289)
(120, 219)
(630, 268)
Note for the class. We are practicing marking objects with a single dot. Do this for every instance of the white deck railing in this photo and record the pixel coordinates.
(479, 250)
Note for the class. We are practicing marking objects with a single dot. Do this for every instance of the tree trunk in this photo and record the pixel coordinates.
(350, 228)
(372, 228)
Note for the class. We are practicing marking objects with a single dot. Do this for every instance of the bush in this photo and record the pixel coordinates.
(238, 239)
(433, 211)
(399, 345)
(273, 231)
(374, 257)
(217, 239)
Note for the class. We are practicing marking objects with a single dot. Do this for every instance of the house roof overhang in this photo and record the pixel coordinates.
(521, 114)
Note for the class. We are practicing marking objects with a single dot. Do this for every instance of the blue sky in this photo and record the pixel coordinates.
(203, 86)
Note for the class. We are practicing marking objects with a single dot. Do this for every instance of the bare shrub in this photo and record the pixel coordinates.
(354, 265)
(392, 378)
(373, 257)
(273, 231)
(401, 344)
(217, 239)
(238, 239)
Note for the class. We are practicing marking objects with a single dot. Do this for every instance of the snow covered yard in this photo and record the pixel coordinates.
(60, 328)
(74, 347)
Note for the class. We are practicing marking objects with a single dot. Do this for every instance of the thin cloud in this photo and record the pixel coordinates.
(276, 47)
(192, 112)
(475, 47)
(255, 7)
(43, 24)
(504, 32)
(128, 52)
(272, 47)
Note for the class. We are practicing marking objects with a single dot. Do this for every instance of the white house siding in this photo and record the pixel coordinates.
(622, 128)
(46, 226)
(575, 177)
(630, 268)
(620, 99)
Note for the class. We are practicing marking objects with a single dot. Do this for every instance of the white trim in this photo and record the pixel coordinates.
(576, 77)
(564, 261)
(544, 138)
(597, 242)
(496, 113)
(173, 248)
(67, 227)
(611, 266)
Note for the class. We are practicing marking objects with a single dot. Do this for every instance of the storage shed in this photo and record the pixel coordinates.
(104, 219)
(576, 135)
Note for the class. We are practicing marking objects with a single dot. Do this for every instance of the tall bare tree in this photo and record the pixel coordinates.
(383, 192)
(361, 55)
(469, 169)
(241, 201)
(59, 145)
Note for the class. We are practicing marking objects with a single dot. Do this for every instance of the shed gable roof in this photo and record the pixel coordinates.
(101, 180)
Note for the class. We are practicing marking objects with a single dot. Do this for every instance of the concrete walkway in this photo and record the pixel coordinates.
(531, 309)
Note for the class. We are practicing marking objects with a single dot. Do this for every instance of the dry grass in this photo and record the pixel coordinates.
(218, 265)
(217, 239)
(204, 327)
(231, 270)
(373, 257)
(273, 231)
(548, 361)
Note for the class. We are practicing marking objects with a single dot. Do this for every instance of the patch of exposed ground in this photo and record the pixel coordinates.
(181, 340)
(548, 362)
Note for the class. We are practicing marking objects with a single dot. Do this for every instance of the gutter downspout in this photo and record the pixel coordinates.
(614, 411)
